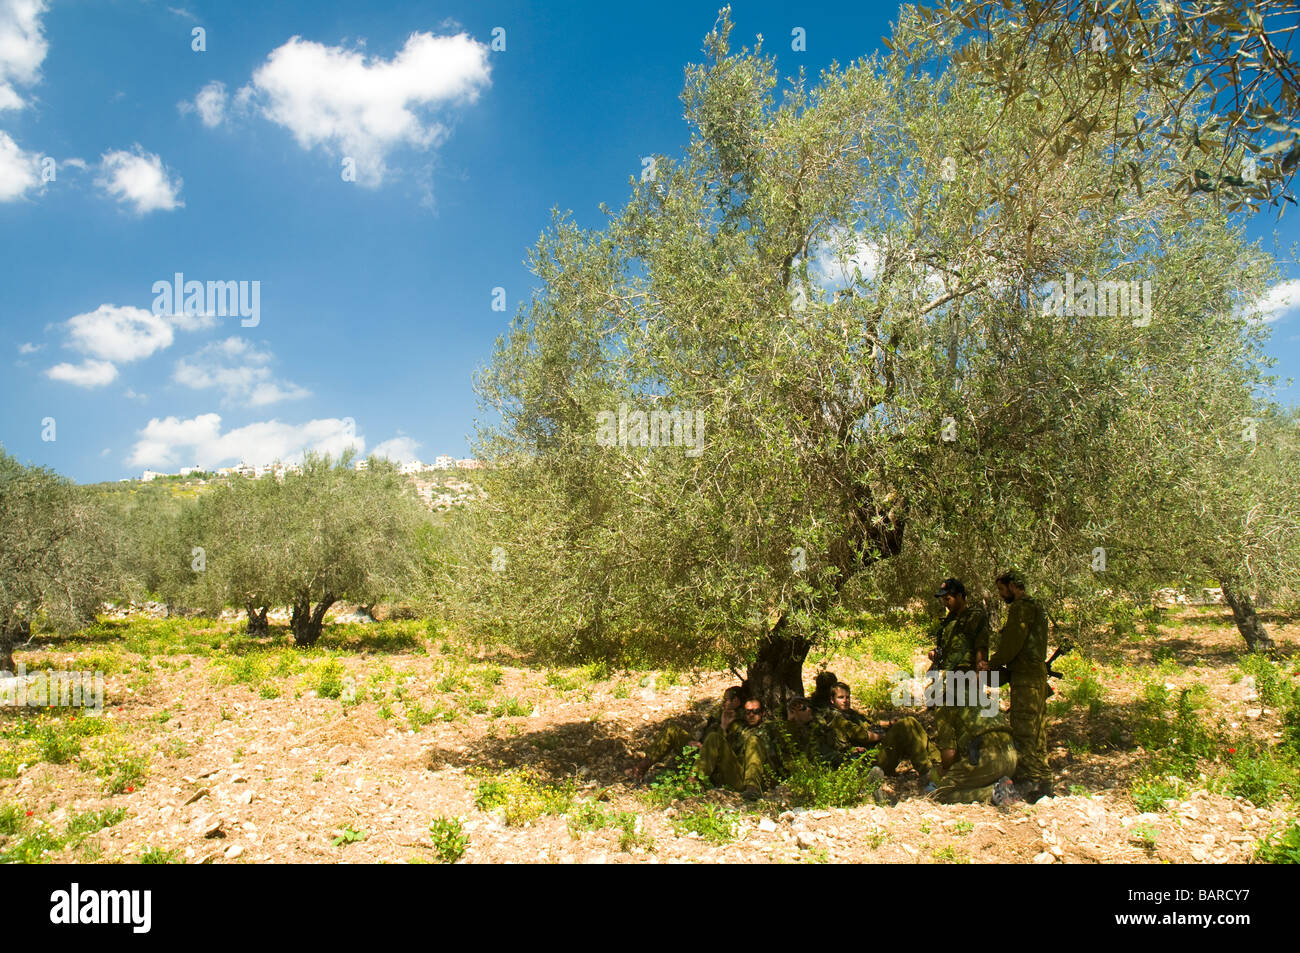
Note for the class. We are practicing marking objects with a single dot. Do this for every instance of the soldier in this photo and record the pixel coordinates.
(961, 643)
(737, 759)
(674, 737)
(840, 702)
(984, 771)
(1022, 652)
(821, 696)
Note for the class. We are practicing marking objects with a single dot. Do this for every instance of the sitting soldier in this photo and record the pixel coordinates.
(738, 759)
(673, 738)
(820, 698)
(983, 768)
(840, 701)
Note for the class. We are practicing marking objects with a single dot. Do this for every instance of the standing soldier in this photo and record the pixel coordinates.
(961, 644)
(1022, 653)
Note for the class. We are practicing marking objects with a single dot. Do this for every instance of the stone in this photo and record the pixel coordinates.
(196, 796)
(1044, 858)
(767, 825)
(233, 851)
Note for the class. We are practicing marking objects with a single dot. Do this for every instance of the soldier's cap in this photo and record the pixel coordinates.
(797, 702)
(950, 587)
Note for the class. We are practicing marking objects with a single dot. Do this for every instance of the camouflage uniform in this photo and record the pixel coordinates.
(983, 758)
(739, 759)
(906, 738)
(1022, 651)
(673, 738)
(960, 637)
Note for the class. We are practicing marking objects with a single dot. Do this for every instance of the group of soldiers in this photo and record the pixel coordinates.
(976, 753)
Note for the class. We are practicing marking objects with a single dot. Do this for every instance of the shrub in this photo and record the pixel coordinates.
(708, 821)
(449, 839)
(1150, 793)
(819, 785)
(159, 855)
(523, 797)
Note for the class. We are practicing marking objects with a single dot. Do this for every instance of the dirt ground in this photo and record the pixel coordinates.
(234, 777)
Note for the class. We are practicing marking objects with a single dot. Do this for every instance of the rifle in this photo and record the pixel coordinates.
(1065, 647)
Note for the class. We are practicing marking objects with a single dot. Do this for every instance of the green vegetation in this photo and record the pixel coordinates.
(348, 835)
(159, 855)
(590, 816)
(35, 842)
(708, 821)
(449, 839)
(1280, 847)
(522, 797)
(823, 786)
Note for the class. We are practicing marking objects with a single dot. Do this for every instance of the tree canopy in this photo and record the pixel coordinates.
(908, 360)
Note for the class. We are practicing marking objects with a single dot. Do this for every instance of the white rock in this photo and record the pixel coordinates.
(767, 825)
(233, 851)
(1044, 858)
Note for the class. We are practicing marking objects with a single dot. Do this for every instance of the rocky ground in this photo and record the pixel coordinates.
(250, 764)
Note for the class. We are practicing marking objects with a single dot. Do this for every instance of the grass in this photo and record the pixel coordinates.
(1280, 847)
(590, 816)
(1149, 792)
(710, 822)
(512, 708)
(159, 855)
(522, 797)
(34, 842)
(38, 736)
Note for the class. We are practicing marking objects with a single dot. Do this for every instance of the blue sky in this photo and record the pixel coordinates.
(375, 275)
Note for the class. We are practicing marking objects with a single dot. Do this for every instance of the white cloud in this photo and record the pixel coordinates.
(1282, 300)
(29, 348)
(364, 107)
(139, 179)
(19, 170)
(130, 394)
(88, 373)
(22, 48)
(171, 441)
(240, 371)
(210, 104)
(834, 261)
(119, 334)
(398, 449)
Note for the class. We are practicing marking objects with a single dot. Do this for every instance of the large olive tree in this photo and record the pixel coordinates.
(872, 305)
(57, 559)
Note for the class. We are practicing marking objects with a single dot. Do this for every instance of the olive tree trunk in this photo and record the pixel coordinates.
(257, 624)
(306, 623)
(1247, 619)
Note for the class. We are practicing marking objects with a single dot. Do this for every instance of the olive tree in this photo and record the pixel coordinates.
(1235, 55)
(57, 558)
(328, 533)
(854, 327)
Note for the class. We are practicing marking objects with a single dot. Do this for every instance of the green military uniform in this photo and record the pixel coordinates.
(673, 738)
(1022, 651)
(906, 739)
(959, 638)
(983, 757)
(856, 717)
(737, 759)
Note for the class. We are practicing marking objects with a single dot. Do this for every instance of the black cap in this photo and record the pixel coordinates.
(950, 587)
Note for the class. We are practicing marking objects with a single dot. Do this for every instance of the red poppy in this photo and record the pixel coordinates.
(130, 790)
(1232, 751)
(29, 813)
